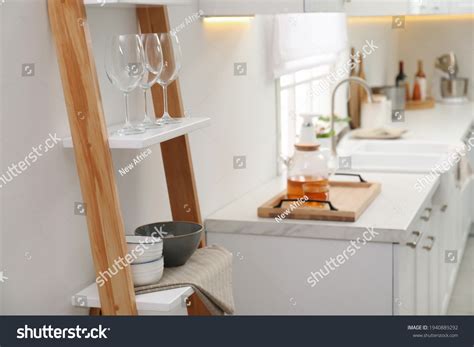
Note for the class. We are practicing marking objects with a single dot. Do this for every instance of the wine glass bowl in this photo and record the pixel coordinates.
(153, 53)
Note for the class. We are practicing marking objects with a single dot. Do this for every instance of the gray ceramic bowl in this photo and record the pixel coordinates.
(180, 239)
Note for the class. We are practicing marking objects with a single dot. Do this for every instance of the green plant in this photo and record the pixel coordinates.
(323, 131)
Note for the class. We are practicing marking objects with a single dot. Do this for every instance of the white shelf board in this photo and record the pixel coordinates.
(112, 3)
(162, 301)
(151, 136)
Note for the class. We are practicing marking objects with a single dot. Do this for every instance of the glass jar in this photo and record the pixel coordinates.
(308, 173)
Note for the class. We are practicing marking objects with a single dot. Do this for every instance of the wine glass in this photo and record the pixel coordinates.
(153, 56)
(124, 65)
(171, 66)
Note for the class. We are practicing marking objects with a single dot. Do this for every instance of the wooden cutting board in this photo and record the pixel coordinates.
(350, 199)
(420, 105)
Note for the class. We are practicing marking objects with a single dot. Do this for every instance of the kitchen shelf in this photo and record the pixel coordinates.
(104, 221)
(113, 3)
(151, 136)
(162, 301)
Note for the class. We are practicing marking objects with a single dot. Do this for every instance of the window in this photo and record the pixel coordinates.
(308, 91)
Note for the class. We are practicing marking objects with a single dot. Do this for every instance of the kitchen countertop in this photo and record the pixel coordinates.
(390, 214)
(443, 123)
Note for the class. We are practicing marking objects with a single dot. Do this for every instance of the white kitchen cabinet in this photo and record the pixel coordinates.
(445, 234)
(352, 8)
(413, 263)
(377, 7)
(428, 261)
(270, 276)
(249, 7)
(422, 283)
(128, 3)
(407, 7)
(404, 276)
(441, 7)
(416, 267)
(435, 259)
(466, 208)
(381, 278)
(442, 228)
(450, 235)
(444, 201)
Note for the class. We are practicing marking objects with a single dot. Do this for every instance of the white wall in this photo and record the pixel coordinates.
(38, 206)
(427, 40)
(421, 38)
(46, 247)
(381, 66)
(242, 108)
(1, 151)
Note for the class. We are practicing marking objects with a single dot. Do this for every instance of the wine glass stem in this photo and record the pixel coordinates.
(146, 105)
(165, 98)
(127, 119)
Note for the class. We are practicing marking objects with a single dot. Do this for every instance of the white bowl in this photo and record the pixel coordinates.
(144, 249)
(147, 273)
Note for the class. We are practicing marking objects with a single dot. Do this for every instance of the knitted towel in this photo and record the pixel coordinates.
(208, 272)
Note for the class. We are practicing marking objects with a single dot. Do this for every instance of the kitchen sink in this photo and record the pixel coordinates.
(395, 162)
(404, 156)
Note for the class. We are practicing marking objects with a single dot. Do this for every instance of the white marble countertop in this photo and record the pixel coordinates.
(444, 123)
(391, 214)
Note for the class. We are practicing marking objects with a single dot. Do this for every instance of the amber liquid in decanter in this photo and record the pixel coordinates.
(315, 188)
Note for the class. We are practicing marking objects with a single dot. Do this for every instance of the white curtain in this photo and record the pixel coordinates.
(307, 40)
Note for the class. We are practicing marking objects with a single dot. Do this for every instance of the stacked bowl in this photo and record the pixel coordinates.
(145, 256)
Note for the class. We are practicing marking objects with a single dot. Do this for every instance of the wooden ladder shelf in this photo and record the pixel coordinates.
(93, 157)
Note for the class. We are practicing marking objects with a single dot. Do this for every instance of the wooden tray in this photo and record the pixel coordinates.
(420, 105)
(350, 199)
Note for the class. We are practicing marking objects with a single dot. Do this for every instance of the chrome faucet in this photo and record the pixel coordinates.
(358, 80)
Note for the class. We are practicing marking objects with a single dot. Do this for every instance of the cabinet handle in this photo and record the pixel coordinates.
(413, 244)
(427, 217)
(444, 208)
(430, 247)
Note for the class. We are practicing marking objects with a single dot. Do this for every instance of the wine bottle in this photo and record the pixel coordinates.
(402, 81)
(401, 77)
(419, 90)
